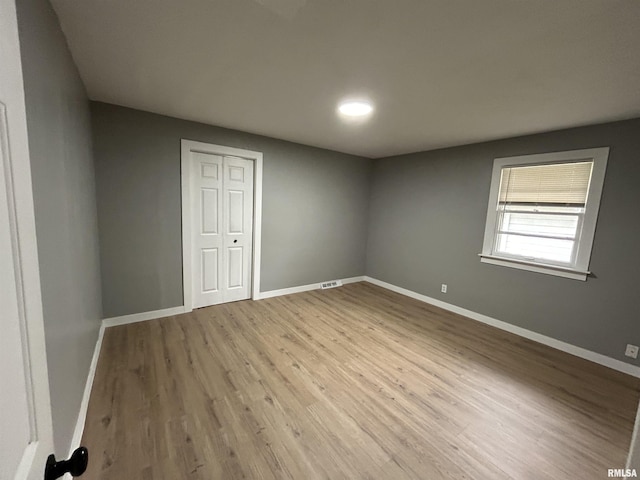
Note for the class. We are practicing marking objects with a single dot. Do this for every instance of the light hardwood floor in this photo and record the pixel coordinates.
(355, 382)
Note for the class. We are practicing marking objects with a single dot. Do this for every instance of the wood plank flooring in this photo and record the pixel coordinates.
(355, 382)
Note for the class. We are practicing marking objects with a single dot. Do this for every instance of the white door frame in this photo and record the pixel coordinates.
(186, 147)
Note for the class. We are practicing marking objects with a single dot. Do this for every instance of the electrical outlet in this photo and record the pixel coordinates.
(444, 288)
(631, 351)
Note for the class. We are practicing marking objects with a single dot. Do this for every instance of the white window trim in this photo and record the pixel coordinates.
(583, 256)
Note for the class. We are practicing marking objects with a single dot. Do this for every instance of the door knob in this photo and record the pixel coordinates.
(235, 241)
(76, 465)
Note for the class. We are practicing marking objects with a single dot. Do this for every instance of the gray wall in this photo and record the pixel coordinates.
(426, 227)
(58, 123)
(314, 220)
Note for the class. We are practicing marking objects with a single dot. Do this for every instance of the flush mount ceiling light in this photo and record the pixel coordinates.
(355, 109)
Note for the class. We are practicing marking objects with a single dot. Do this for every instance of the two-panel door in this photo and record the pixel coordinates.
(222, 228)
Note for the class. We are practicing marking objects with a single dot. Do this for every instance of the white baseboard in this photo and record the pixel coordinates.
(633, 460)
(84, 404)
(523, 332)
(141, 317)
(303, 288)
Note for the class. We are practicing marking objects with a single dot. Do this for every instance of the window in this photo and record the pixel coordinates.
(542, 211)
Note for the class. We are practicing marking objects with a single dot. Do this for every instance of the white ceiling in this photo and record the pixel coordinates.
(441, 72)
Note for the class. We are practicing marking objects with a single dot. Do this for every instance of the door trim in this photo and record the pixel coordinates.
(186, 146)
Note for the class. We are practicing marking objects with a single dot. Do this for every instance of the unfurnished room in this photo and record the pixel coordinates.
(306, 239)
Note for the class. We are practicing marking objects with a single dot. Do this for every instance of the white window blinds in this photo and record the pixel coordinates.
(556, 183)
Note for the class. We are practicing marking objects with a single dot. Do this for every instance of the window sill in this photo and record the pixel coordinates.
(535, 267)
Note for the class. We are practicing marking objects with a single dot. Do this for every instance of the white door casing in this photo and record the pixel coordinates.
(221, 205)
(26, 437)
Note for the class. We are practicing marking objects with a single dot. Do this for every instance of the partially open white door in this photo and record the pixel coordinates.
(220, 224)
(25, 409)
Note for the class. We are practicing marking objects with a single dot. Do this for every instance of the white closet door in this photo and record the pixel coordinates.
(207, 228)
(222, 228)
(238, 228)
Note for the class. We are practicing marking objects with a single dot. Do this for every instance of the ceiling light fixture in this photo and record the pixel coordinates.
(355, 108)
